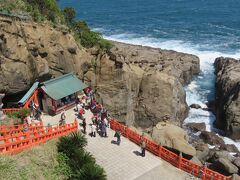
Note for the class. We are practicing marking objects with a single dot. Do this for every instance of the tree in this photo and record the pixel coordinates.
(69, 14)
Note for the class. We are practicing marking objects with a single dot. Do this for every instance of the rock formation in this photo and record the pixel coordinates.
(173, 137)
(138, 85)
(30, 51)
(228, 96)
(142, 86)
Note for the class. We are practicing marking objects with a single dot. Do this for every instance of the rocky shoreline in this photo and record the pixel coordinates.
(141, 86)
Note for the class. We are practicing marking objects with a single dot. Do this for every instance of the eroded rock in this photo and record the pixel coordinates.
(228, 96)
(172, 137)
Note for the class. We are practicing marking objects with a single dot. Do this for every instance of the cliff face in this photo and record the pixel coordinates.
(29, 51)
(139, 85)
(142, 86)
(228, 95)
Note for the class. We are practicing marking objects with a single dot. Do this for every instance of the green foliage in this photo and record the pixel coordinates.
(90, 38)
(69, 14)
(22, 113)
(48, 9)
(68, 144)
(80, 26)
(105, 44)
(63, 167)
(81, 164)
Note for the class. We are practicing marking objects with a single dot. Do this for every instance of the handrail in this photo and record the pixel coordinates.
(19, 140)
(184, 164)
(11, 110)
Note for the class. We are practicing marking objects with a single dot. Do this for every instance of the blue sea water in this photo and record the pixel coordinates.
(206, 28)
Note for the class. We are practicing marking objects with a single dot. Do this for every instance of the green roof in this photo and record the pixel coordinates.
(29, 93)
(62, 86)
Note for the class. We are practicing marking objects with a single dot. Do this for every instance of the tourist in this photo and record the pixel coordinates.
(81, 112)
(84, 124)
(103, 129)
(94, 130)
(78, 107)
(94, 119)
(63, 118)
(143, 147)
(118, 135)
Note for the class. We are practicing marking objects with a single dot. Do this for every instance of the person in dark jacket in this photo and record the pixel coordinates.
(84, 124)
(143, 148)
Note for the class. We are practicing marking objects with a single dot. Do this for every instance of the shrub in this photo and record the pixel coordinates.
(81, 164)
(105, 44)
(90, 38)
(69, 14)
(68, 144)
(24, 112)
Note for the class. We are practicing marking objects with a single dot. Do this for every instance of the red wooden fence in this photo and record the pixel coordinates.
(10, 110)
(177, 161)
(14, 139)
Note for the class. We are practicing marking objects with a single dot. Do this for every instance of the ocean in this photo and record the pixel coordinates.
(206, 28)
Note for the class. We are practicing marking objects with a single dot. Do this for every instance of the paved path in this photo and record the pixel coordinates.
(122, 162)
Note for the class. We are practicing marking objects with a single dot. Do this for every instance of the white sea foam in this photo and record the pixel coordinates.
(193, 90)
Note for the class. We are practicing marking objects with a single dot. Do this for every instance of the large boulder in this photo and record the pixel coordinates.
(160, 96)
(229, 148)
(172, 137)
(228, 96)
(226, 165)
(236, 162)
(211, 138)
(202, 152)
(221, 154)
(197, 126)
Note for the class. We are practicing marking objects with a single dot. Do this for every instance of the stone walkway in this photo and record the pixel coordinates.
(122, 162)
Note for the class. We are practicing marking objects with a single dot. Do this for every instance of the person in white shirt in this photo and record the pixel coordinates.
(78, 107)
(94, 128)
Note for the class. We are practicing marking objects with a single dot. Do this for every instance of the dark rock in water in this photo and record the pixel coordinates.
(228, 96)
(195, 106)
(211, 138)
(229, 148)
(197, 126)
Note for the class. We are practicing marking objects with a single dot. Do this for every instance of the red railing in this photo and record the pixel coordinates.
(16, 139)
(10, 110)
(177, 161)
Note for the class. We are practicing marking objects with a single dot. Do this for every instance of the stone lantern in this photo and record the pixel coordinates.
(1, 105)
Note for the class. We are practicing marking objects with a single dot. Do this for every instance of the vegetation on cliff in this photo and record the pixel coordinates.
(49, 10)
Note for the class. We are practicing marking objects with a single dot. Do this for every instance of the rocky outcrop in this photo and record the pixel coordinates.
(139, 85)
(173, 137)
(211, 138)
(197, 126)
(30, 51)
(142, 86)
(228, 96)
